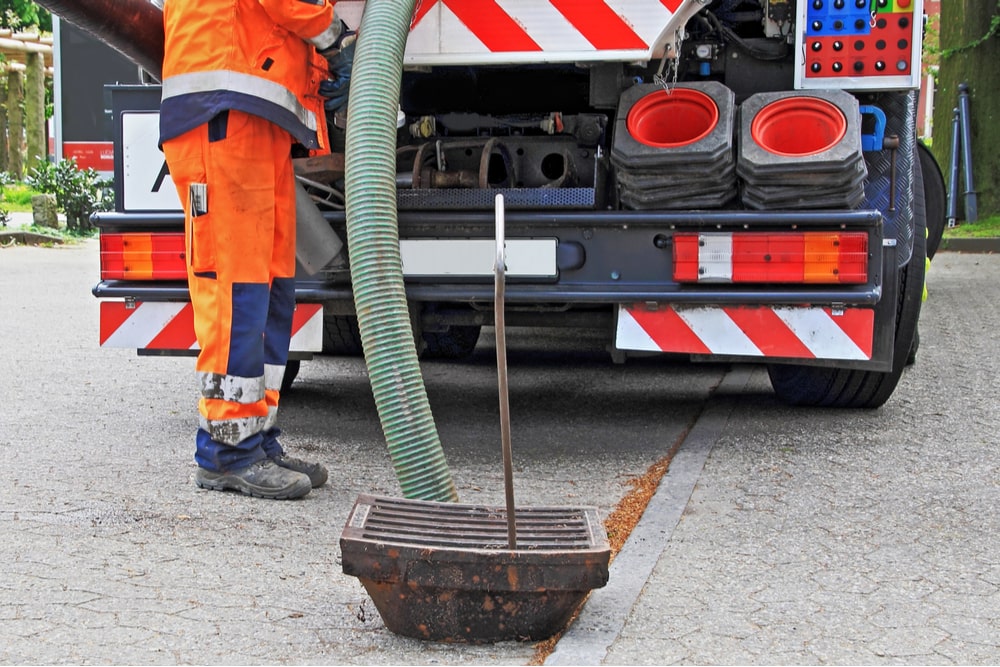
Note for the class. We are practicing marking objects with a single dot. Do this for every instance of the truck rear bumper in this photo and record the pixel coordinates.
(596, 257)
(621, 263)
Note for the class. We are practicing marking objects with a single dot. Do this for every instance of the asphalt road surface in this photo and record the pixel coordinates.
(778, 535)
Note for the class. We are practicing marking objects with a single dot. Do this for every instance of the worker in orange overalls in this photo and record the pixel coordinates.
(241, 84)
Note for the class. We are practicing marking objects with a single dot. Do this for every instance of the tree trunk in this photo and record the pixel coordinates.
(34, 110)
(15, 124)
(4, 146)
(970, 58)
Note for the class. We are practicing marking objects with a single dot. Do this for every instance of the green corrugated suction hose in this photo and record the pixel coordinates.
(376, 268)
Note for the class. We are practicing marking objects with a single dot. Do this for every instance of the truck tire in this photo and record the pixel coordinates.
(845, 388)
(935, 198)
(292, 367)
(456, 342)
(341, 336)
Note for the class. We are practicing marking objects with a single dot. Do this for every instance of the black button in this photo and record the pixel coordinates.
(839, 4)
(838, 45)
(815, 67)
(880, 65)
(837, 67)
(904, 22)
(816, 46)
(838, 25)
(817, 4)
(860, 24)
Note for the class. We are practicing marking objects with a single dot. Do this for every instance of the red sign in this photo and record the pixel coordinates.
(99, 155)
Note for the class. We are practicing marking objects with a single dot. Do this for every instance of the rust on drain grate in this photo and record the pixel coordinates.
(444, 572)
(454, 525)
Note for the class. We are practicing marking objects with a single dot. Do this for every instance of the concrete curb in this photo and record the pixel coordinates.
(602, 619)
(26, 238)
(970, 245)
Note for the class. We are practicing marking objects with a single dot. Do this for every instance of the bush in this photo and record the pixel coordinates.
(79, 192)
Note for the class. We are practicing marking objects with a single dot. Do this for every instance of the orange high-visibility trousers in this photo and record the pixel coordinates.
(234, 175)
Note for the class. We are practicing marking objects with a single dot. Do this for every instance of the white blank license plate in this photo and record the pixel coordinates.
(534, 258)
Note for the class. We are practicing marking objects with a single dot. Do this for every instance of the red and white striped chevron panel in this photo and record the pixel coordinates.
(161, 325)
(472, 32)
(749, 331)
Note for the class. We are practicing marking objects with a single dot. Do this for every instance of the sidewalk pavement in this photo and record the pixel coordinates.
(829, 536)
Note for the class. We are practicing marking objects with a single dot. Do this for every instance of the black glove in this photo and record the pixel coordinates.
(335, 88)
(340, 59)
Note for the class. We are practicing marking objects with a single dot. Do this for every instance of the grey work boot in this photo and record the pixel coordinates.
(263, 479)
(316, 472)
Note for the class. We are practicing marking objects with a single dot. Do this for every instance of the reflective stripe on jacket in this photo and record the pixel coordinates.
(255, 56)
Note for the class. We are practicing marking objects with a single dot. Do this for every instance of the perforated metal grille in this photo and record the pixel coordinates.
(514, 198)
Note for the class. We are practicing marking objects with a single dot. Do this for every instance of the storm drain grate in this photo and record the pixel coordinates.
(454, 525)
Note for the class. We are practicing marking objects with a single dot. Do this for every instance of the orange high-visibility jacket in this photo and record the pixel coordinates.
(256, 56)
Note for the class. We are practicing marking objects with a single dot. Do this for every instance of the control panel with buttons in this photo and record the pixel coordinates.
(858, 44)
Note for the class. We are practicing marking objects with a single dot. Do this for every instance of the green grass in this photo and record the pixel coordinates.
(982, 228)
(17, 198)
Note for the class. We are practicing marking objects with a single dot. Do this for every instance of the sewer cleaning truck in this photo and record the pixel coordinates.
(729, 180)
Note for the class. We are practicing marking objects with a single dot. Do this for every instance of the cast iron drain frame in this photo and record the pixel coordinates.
(443, 571)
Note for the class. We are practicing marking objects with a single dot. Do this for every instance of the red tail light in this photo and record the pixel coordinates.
(774, 257)
(148, 256)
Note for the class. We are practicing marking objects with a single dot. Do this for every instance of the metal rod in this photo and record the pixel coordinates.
(971, 207)
(501, 335)
(953, 170)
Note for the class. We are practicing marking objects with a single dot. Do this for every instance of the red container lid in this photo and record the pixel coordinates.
(798, 126)
(668, 120)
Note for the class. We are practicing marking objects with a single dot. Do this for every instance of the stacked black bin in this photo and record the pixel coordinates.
(776, 177)
(700, 173)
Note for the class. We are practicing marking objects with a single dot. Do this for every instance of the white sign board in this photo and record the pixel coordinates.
(146, 182)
